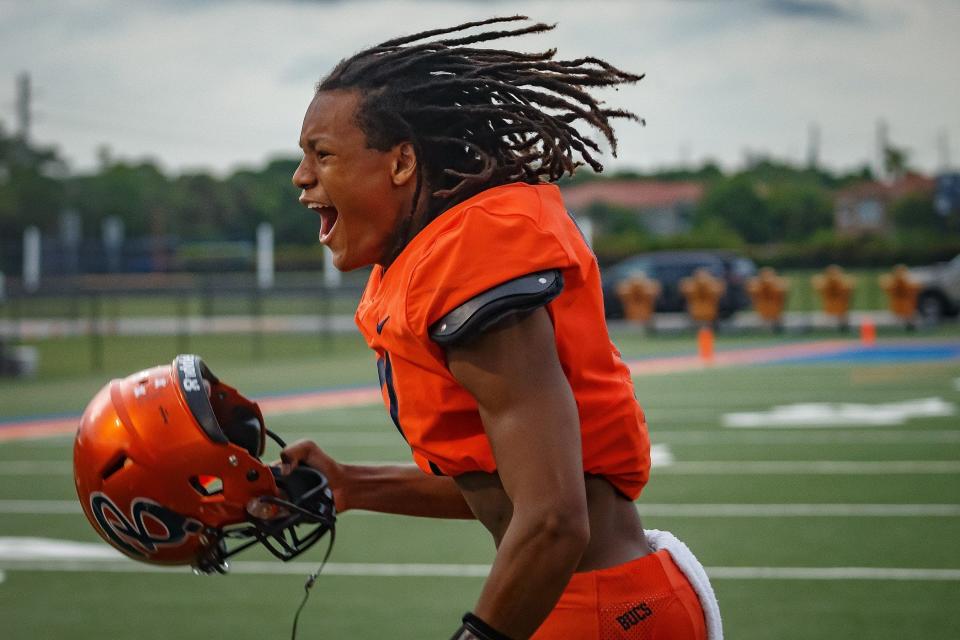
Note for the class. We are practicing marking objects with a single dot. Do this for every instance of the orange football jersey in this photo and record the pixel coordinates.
(494, 237)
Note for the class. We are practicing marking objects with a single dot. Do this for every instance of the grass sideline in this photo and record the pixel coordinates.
(684, 411)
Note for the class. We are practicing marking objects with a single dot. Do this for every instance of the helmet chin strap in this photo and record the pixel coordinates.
(311, 579)
(305, 505)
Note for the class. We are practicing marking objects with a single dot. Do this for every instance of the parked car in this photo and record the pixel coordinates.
(940, 289)
(670, 267)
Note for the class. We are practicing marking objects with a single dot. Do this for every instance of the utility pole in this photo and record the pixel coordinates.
(882, 142)
(813, 145)
(23, 107)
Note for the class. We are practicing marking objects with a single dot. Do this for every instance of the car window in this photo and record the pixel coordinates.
(676, 271)
(744, 267)
(630, 268)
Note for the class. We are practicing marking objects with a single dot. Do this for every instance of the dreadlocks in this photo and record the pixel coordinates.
(479, 117)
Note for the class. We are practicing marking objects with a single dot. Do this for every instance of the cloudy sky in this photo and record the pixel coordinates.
(217, 84)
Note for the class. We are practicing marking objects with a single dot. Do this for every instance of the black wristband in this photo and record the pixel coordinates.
(478, 628)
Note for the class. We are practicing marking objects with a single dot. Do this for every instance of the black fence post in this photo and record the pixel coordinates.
(74, 311)
(16, 320)
(183, 321)
(206, 299)
(96, 337)
(326, 328)
(256, 311)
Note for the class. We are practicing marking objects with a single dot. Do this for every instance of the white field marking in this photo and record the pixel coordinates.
(40, 507)
(841, 414)
(350, 438)
(830, 510)
(61, 556)
(675, 436)
(3, 576)
(660, 455)
(686, 510)
(759, 435)
(813, 467)
(35, 467)
(748, 510)
(701, 467)
(831, 436)
(832, 573)
(41, 441)
(26, 548)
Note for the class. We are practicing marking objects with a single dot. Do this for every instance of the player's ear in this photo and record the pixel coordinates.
(404, 166)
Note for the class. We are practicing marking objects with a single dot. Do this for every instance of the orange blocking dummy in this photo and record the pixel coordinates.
(836, 289)
(639, 298)
(768, 293)
(902, 292)
(702, 291)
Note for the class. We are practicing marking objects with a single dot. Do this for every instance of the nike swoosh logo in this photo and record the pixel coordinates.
(381, 323)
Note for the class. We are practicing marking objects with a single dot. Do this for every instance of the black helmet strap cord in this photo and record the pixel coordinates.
(311, 579)
(275, 438)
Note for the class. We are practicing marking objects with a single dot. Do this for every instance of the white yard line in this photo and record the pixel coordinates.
(685, 510)
(747, 510)
(478, 570)
(665, 465)
(832, 573)
(35, 468)
(779, 436)
(813, 467)
(870, 435)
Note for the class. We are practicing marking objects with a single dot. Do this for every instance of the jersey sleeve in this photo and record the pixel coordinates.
(483, 248)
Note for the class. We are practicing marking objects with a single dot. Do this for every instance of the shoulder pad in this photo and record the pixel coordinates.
(518, 296)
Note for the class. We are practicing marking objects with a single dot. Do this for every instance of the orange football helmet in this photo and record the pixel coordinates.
(167, 468)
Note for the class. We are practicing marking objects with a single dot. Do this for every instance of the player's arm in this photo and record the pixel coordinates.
(399, 489)
(531, 419)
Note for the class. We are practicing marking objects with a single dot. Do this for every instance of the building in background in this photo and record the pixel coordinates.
(864, 208)
(663, 208)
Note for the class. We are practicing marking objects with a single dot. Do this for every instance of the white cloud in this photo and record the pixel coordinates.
(219, 83)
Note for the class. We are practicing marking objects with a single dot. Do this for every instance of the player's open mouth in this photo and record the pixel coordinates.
(328, 220)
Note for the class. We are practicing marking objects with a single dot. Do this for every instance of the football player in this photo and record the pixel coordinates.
(432, 159)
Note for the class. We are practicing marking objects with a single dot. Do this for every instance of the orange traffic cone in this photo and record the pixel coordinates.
(868, 333)
(705, 344)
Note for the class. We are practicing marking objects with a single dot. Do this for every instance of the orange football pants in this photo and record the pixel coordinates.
(645, 599)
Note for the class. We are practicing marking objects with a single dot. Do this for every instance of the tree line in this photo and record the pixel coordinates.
(767, 203)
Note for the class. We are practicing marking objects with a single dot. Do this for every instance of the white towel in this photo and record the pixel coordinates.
(691, 567)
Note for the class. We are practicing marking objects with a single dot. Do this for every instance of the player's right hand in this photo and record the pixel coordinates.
(308, 453)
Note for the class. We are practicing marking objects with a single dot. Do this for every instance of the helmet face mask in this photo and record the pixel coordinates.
(167, 468)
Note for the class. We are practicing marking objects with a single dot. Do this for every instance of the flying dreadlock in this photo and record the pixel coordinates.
(477, 117)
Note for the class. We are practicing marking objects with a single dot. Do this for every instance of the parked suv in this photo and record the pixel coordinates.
(940, 289)
(670, 267)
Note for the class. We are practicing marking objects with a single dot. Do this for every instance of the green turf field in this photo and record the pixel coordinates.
(873, 498)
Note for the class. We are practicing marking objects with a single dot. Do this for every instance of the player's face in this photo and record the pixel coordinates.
(360, 194)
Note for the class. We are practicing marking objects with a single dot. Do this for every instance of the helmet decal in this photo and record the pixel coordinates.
(131, 535)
